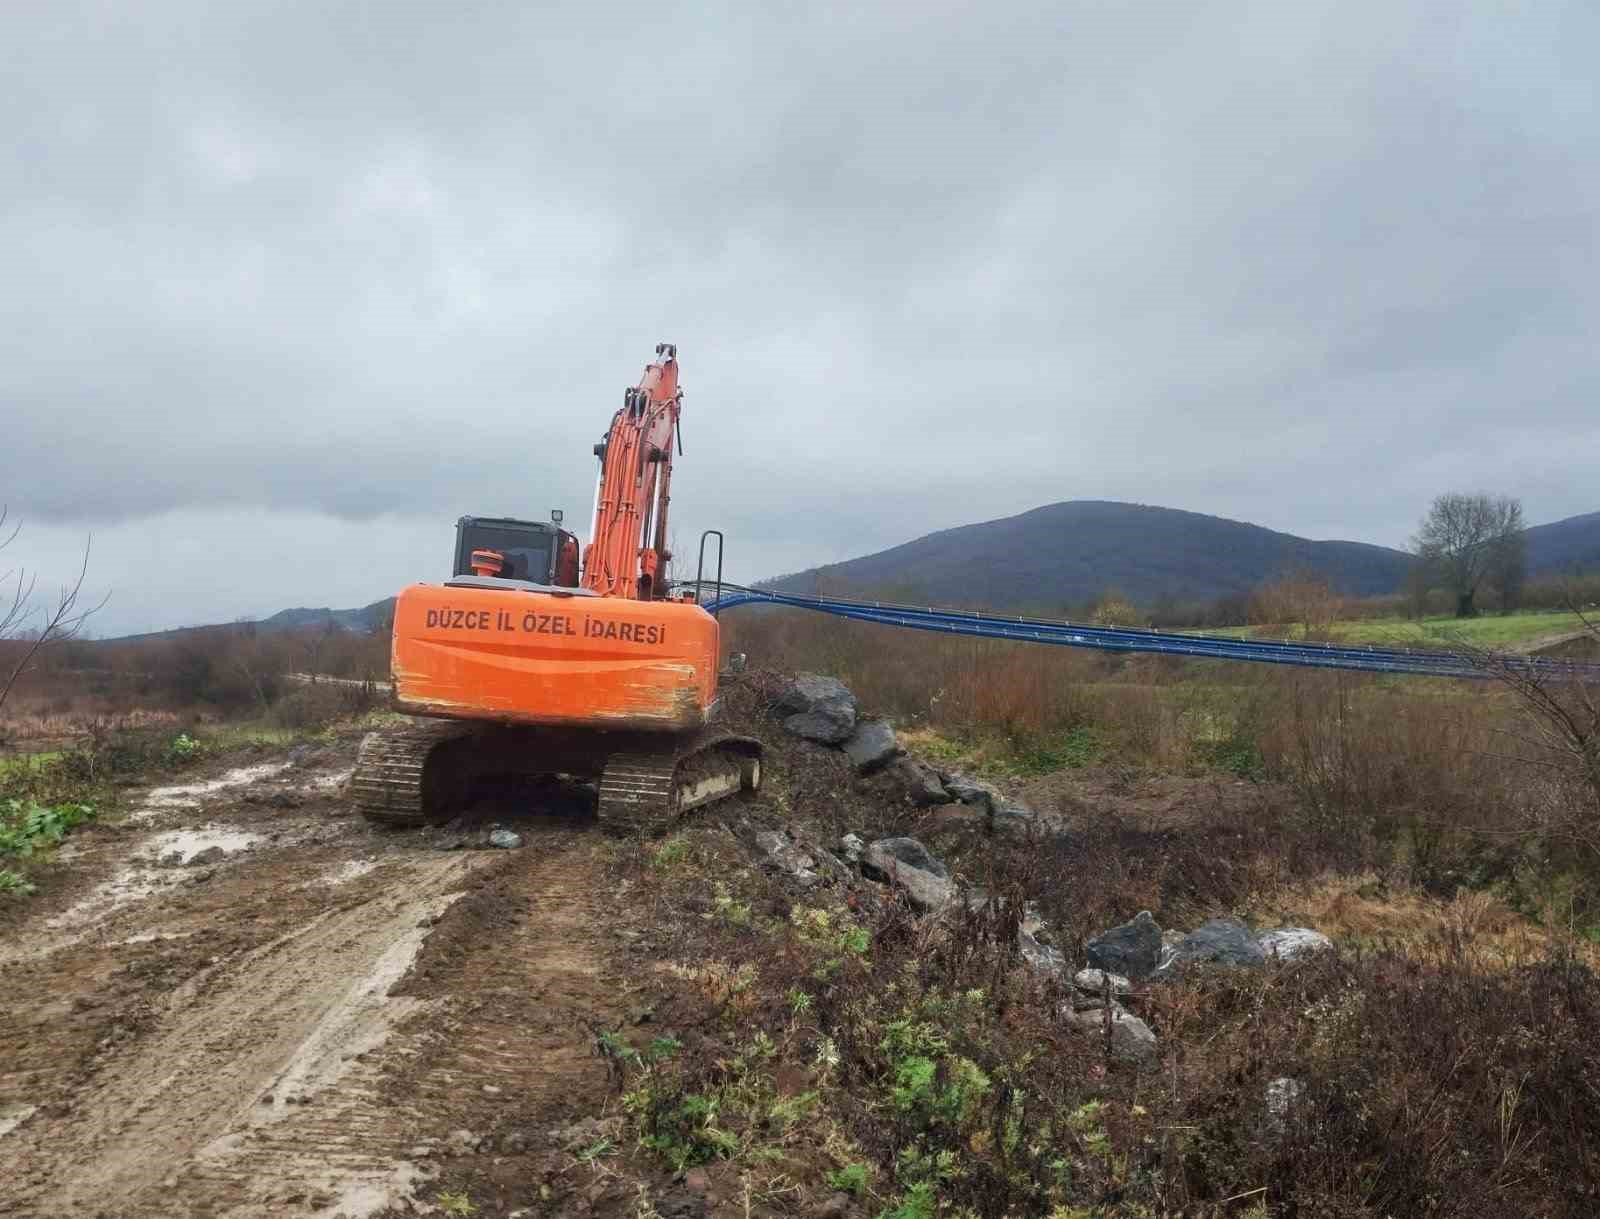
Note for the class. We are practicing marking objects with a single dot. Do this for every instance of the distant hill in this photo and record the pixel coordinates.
(367, 618)
(1563, 545)
(1069, 553)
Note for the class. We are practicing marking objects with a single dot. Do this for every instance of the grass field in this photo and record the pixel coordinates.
(1490, 630)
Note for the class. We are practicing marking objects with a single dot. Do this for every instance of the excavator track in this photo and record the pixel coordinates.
(392, 783)
(644, 791)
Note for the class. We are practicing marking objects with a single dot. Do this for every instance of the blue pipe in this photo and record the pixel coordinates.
(977, 624)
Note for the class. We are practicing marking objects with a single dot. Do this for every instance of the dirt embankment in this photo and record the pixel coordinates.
(246, 1001)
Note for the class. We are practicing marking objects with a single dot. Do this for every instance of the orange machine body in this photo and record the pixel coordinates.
(514, 656)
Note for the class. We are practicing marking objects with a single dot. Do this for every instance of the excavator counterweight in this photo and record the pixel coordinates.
(517, 666)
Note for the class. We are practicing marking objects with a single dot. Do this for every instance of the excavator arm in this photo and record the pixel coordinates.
(627, 550)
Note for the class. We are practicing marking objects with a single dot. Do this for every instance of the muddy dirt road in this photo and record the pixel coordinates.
(249, 1002)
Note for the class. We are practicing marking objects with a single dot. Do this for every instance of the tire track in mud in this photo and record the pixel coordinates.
(242, 1049)
(297, 1030)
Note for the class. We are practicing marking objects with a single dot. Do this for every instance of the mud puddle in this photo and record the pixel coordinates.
(193, 795)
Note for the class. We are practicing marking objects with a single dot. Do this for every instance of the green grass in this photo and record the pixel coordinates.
(1488, 630)
(22, 762)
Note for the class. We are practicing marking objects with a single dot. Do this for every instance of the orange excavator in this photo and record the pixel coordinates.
(519, 668)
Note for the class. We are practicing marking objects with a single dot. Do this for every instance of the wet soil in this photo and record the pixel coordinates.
(244, 1000)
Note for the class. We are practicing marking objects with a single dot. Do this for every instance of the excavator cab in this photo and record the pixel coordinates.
(534, 553)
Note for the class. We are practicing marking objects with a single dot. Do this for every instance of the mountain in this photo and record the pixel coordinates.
(363, 620)
(1563, 545)
(1070, 553)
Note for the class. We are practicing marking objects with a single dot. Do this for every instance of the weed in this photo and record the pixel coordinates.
(15, 883)
(851, 1178)
(670, 853)
(455, 1204)
(183, 748)
(918, 1202)
(728, 909)
(597, 1150)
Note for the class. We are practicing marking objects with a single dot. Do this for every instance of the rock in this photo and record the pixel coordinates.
(302, 755)
(1042, 957)
(818, 708)
(1282, 1093)
(969, 791)
(1093, 982)
(872, 747)
(852, 846)
(906, 863)
(285, 799)
(808, 691)
(1131, 950)
(460, 1143)
(504, 839)
(782, 855)
(824, 727)
(210, 855)
(914, 777)
(1287, 943)
(907, 852)
(1222, 941)
(1131, 1038)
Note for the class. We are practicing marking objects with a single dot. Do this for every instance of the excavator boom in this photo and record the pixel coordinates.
(627, 549)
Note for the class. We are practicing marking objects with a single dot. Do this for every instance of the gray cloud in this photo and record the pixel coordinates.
(342, 272)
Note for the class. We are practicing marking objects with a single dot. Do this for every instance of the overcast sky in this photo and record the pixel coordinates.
(286, 288)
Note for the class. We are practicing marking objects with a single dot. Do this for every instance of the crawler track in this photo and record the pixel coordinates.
(392, 784)
(644, 791)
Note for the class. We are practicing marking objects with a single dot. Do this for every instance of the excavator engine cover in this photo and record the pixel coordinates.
(519, 656)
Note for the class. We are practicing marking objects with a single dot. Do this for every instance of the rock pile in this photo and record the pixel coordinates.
(1121, 959)
(824, 710)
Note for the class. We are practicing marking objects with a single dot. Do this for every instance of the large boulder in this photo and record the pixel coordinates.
(918, 781)
(1287, 943)
(1222, 941)
(908, 865)
(826, 725)
(1131, 1038)
(818, 708)
(872, 747)
(1131, 949)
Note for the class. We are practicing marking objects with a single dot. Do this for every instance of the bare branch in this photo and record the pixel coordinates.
(64, 622)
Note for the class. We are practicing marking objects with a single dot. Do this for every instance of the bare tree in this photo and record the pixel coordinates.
(1300, 598)
(36, 629)
(1459, 539)
(1508, 569)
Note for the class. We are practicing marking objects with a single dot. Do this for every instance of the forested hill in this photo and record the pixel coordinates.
(1070, 553)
